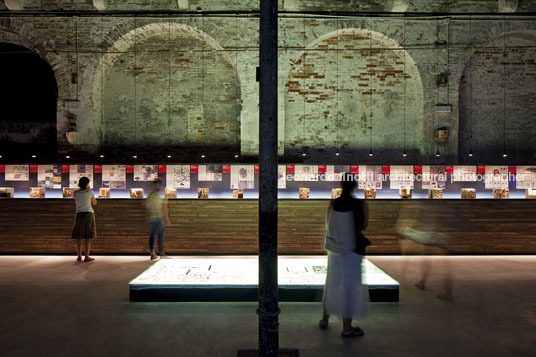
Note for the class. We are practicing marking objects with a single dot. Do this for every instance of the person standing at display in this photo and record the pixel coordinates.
(158, 217)
(344, 293)
(84, 223)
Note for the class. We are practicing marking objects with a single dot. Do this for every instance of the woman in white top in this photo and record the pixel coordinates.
(344, 293)
(84, 223)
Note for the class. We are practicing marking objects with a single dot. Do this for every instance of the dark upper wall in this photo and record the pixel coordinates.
(452, 6)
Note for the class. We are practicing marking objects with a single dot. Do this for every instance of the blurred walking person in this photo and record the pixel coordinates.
(421, 234)
(158, 217)
(344, 293)
(84, 222)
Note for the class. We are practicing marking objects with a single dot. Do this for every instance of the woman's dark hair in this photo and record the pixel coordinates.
(348, 183)
(83, 182)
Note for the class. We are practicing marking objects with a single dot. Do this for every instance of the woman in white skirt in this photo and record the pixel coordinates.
(344, 293)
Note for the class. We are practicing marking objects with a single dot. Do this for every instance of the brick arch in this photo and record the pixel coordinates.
(360, 105)
(481, 98)
(19, 33)
(128, 40)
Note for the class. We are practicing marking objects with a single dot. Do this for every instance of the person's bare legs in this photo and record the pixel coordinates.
(79, 249)
(348, 330)
(425, 271)
(88, 248)
(325, 319)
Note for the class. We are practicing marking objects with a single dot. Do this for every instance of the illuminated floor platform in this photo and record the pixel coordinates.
(236, 278)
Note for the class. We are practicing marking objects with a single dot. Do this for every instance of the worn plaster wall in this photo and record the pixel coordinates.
(190, 81)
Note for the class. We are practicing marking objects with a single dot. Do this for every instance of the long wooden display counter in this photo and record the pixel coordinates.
(230, 226)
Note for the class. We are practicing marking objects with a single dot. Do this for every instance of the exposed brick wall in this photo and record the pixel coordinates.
(105, 111)
(231, 227)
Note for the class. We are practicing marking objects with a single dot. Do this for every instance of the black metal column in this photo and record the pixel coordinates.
(268, 310)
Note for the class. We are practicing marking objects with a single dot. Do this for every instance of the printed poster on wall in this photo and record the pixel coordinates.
(17, 173)
(178, 176)
(281, 176)
(370, 177)
(464, 174)
(401, 177)
(525, 177)
(145, 172)
(306, 173)
(49, 176)
(114, 177)
(78, 171)
(242, 176)
(334, 172)
(496, 177)
(433, 177)
(210, 173)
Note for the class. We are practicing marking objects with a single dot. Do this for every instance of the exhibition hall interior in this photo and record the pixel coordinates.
(268, 178)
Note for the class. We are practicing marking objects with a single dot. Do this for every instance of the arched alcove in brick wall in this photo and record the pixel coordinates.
(20, 32)
(496, 100)
(334, 100)
(187, 98)
(28, 98)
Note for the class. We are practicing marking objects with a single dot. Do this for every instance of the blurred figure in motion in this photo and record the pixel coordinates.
(344, 293)
(158, 217)
(421, 234)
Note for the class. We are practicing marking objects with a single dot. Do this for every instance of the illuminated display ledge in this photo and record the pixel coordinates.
(235, 279)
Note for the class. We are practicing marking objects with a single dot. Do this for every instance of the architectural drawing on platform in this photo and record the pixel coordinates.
(336, 193)
(370, 177)
(496, 177)
(468, 193)
(136, 193)
(401, 177)
(281, 176)
(7, 192)
(525, 177)
(203, 192)
(306, 173)
(464, 174)
(104, 192)
(68, 192)
(17, 173)
(38, 192)
(433, 177)
(170, 192)
(242, 176)
(210, 173)
(114, 177)
(178, 176)
(304, 193)
(49, 176)
(78, 171)
(145, 172)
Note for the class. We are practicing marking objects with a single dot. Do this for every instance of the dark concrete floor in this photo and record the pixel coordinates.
(50, 306)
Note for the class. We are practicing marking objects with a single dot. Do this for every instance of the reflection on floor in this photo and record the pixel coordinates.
(235, 279)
